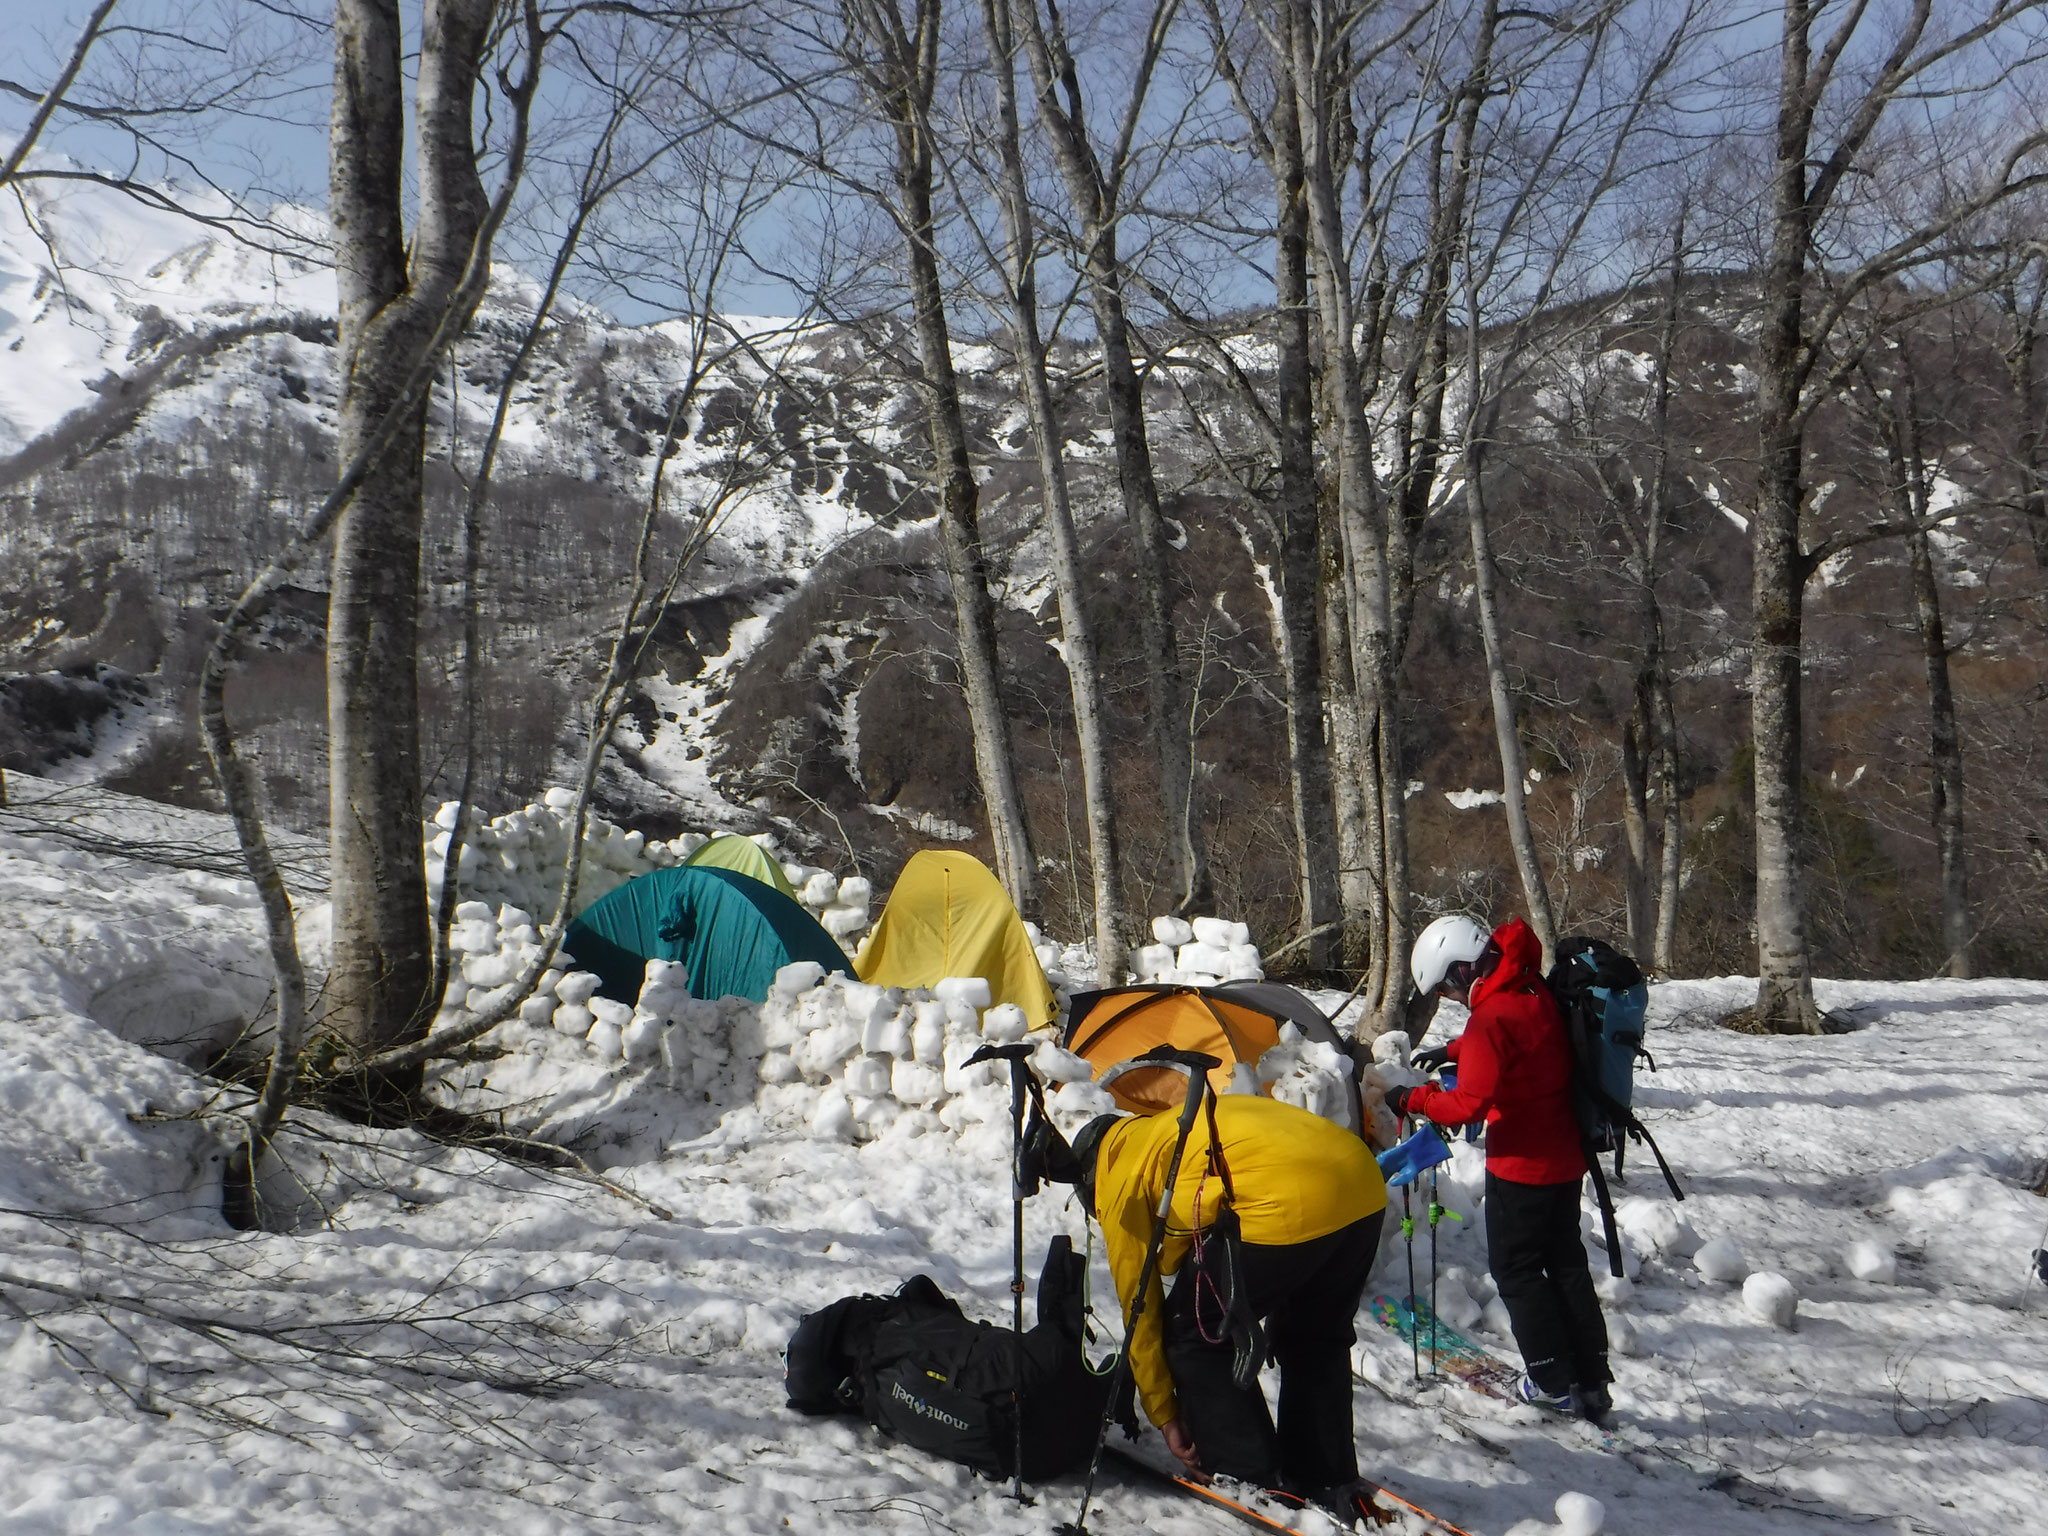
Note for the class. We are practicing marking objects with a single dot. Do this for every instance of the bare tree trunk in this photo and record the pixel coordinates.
(1298, 514)
(1507, 728)
(1784, 1003)
(1360, 513)
(902, 77)
(1084, 668)
(1354, 774)
(1946, 800)
(2026, 319)
(379, 986)
(1898, 414)
(1671, 873)
(1094, 195)
(1653, 729)
(1637, 754)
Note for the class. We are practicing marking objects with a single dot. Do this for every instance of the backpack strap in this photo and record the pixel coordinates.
(1217, 1164)
(1606, 1203)
(1636, 1130)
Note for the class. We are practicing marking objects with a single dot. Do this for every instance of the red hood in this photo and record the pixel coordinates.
(1521, 962)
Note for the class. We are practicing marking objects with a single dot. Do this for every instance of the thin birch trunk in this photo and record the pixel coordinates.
(2019, 358)
(902, 78)
(1354, 776)
(1671, 872)
(1945, 807)
(1078, 648)
(1507, 728)
(1899, 427)
(1298, 514)
(1653, 720)
(1094, 194)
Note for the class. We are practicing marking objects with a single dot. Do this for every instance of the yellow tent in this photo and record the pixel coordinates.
(743, 856)
(948, 916)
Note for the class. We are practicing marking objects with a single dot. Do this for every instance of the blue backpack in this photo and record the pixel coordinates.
(1604, 999)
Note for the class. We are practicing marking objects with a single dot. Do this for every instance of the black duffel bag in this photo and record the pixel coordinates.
(918, 1368)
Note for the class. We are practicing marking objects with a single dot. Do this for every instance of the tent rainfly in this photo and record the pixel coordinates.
(743, 856)
(730, 932)
(949, 916)
(1237, 1022)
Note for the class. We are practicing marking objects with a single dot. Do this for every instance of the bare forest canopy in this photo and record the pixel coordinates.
(1330, 463)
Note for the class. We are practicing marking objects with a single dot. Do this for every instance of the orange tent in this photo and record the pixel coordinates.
(1105, 1028)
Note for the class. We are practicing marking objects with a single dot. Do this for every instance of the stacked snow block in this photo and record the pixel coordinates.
(518, 859)
(1310, 1074)
(1198, 953)
(1067, 966)
(690, 1038)
(854, 1061)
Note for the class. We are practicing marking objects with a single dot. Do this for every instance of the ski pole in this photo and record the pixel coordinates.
(1198, 1067)
(1436, 1213)
(1408, 1236)
(1016, 1056)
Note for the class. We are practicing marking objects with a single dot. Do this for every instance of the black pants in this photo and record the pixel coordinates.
(1539, 1263)
(1307, 1294)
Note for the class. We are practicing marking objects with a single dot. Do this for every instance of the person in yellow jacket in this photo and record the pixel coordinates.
(1309, 1201)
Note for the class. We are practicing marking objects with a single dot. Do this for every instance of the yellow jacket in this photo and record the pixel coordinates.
(1297, 1177)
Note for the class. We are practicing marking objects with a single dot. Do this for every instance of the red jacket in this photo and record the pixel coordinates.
(1514, 1069)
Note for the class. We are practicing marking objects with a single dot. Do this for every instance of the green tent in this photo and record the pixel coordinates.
(729, 931)
(743, 856)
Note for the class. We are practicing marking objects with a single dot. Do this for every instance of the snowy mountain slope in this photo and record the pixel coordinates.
(463, 1346)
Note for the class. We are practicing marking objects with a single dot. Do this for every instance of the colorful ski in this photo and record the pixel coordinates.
(1463, 1359)
(1265, 1509)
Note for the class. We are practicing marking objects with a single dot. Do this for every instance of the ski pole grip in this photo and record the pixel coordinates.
(1194, 1061)
(1019, 1052)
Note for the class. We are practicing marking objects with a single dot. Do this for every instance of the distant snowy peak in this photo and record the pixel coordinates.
(95, 284)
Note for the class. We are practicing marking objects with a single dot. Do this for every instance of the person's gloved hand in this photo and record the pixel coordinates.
(1430, 1058)
(1397, 1100)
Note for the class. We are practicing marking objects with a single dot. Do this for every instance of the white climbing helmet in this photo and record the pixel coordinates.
(1442, 945)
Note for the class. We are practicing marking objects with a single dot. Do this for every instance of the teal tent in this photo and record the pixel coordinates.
(731, 933)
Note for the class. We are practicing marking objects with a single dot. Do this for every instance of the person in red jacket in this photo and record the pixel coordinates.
(1514, 1072)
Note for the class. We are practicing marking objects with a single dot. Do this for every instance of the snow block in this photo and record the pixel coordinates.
(974, 991)
(1771, 1298)
(1872, 1262)
(1173, 931)
(1580, 1514)
(577, 988)
(1721, 1261)
(1219, 934)
(799, 976)
(832, 1117)
(1005, 1025)
(1149, 960)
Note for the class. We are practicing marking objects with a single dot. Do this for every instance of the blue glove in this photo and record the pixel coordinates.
(1404, 1163)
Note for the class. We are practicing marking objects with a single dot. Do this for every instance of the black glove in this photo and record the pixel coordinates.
(1429, 1058)
(1397, 1101)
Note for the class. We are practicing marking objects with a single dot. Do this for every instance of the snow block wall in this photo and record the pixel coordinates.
(518, 859)
(855, 1062)
(689, 1037)
(1198, 953)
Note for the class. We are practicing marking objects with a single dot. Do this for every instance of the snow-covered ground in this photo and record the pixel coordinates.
(464, 1345)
